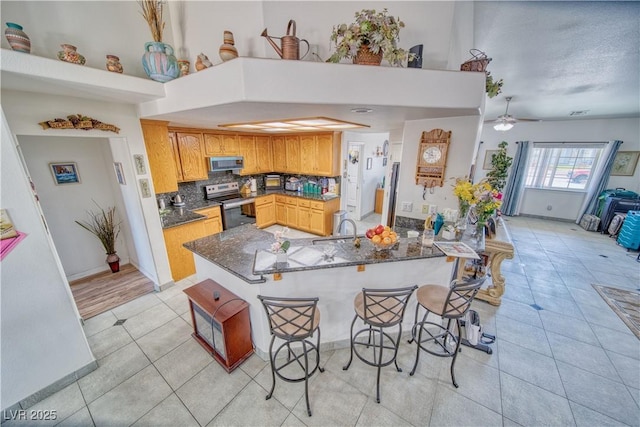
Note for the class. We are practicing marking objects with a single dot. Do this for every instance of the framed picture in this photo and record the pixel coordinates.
(487, 159)
(384, 161)
(369, 162)
(65, 173)
(625, 163)
(138, 160)
(144, 188)
(119, 174)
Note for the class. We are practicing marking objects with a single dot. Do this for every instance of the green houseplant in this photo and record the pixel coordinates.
(500, 162)
(492, 87)
(105, 226)
(373, 34)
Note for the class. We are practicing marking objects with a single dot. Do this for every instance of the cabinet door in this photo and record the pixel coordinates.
(304, 220)
(327, 160)
(192, 159)
(213, 144)
(308, 154)
(230, 145)
(176, 156)
(160, 156)
(293, 153)
(247, 148)
(181, 259)
(279, 148)
(264, 157)
(292, 215)
(316, 222)
(265, 215)
(281, 214)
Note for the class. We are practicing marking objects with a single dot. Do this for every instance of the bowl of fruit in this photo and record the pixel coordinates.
(382, 237)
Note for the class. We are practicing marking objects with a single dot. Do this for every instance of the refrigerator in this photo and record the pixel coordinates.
(393, 192)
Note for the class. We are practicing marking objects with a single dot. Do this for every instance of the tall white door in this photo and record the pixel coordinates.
(354, 178)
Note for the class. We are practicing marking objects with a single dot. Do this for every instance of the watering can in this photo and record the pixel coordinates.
(290, 43)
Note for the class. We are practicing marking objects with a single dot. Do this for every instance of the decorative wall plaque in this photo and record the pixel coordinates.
(432, 158)
(78, 121)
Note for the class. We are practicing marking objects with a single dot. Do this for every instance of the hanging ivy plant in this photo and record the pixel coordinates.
(500, 163)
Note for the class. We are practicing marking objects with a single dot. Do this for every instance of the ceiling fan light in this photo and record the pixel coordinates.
(503, 126)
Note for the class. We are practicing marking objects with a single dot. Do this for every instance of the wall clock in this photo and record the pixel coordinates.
(432, 158)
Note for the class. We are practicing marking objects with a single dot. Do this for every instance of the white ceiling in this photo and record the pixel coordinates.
(559, 57)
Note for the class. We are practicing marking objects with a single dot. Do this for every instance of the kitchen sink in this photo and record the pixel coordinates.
(335, 239)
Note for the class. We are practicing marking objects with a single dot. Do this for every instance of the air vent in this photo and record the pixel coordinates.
(579, 113)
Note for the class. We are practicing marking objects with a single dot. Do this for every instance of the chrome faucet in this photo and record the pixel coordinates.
(356, 240)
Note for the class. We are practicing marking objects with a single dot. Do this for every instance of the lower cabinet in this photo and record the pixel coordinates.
(303, 214)
(181, 259)
(213, 223)
(265, 211)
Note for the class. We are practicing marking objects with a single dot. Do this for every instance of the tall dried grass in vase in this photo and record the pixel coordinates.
(152, 13)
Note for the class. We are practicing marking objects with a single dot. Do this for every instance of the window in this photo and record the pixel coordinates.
(562, 165)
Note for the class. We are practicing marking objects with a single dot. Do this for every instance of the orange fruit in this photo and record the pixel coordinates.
(385, 233)
(376, 238)
(386, 240)
(393, 238)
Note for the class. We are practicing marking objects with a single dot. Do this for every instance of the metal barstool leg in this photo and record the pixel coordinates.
(379, 365)
(273, 368)
(419, 342)
(455, 355)
(396, 344)
(415, 323)
(306, 376)
(345, 367)
(320, 368)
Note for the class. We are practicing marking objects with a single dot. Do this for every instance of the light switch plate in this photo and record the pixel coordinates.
(407, 206)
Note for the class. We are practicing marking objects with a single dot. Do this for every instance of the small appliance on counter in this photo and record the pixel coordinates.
(292, 184)
(272, 182)
(178, 201)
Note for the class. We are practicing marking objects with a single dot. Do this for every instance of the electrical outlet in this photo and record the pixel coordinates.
(407, 206)
(433, 209)
(425, 209)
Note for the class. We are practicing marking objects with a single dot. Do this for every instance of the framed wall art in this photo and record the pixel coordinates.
(119, 173)
(65, 173)
(487, 159)
(144, 188)
(138, 160)
(369, 162)
(625, 163)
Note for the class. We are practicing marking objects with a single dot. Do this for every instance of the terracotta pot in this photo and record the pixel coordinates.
(114, 262)
(113, 64)
(366, 57)
(228, 50)
(69, 54)
(18, 39)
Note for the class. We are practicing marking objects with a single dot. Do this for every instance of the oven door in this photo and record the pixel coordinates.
(238, 215)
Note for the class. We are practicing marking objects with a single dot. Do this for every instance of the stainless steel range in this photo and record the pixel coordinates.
(236, 209)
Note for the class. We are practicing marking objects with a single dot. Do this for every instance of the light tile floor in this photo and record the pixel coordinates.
(571, 363)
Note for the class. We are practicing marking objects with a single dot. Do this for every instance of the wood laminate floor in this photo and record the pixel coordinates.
(105, 291)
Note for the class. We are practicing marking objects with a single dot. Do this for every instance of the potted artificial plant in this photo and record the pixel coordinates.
(372, 37)
(105, 227)
(500, 163)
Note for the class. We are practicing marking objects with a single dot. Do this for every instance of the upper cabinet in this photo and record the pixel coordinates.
(320, 154)
(220, 144)
(192, 160)
(257, 153)
(292, 143)
(279, 147)
(160, 155)
(264, 154)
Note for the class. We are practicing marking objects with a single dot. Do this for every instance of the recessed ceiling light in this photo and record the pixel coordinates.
(293, 125)
(361, 110)
(579, 113)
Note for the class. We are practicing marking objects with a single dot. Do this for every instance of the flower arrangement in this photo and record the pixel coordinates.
(377, 30)
(464, 191)
(152, 13)
(280, 245)
(487, 200)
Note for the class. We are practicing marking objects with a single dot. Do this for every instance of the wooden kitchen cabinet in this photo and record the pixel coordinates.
(247, 149)
(279, 153)
(281, 211)
(176, 156)
(265, 211)
(304, 213)
(181, 259)
(379, 199)
(160, 155)
(292, 143)
(264, 154)
(313, 216)
(291, 208)
(220, 144)
(190, 150)
(320, 154)
(213, 223)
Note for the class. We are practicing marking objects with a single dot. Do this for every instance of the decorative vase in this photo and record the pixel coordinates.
(113, 64)
(114, 262)
(18, 39)
(184, 67)
(202, 62)
(159, 62)
(366, 57)
(69, 54)
(228, 50)
(281, 258)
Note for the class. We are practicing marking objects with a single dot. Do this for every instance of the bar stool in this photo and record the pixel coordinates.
(293, 320)
(449, 303)
(379, 309)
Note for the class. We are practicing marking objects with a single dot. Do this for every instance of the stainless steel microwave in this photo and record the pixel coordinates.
(219, 164)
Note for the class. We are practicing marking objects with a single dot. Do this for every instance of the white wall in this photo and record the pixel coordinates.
(24, 111)
(464, 134)
(42, 340)
(564, 204)
(81, 253)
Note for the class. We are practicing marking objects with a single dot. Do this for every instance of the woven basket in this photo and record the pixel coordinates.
(366, 57)
(479, 61)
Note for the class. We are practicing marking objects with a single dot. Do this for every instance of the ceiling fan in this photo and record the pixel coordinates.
(505, 121)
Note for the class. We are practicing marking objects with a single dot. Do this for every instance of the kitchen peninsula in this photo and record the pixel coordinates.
(239, 259)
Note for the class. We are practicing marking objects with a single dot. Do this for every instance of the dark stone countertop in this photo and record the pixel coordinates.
(245, 252)
(173, 216)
